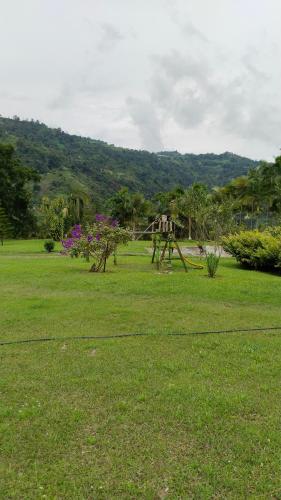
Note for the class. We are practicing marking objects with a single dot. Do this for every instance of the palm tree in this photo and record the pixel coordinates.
(191, 203)
(129, 208)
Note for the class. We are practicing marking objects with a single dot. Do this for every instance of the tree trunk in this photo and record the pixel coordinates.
(189, 228)
(105, 257)
(93, 268)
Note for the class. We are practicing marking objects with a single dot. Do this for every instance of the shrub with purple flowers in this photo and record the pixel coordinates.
(97, 241)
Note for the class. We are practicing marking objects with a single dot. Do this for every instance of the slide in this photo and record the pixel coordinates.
(193, 264)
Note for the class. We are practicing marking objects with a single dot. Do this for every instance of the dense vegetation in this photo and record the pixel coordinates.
(80, 174)
(257, 196)
(15, 197)
(255, 249)
(72, 164)
(252, 201)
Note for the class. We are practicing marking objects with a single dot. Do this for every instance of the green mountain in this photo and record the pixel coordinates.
(71, 164)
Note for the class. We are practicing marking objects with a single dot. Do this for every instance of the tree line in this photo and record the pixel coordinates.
(249, 201)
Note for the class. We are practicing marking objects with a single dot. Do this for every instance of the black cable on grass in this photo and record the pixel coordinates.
(124, 335)
(235, 330)
(80, 337)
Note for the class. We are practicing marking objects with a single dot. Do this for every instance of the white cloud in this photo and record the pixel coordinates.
(147, 122)
(193, 76)
(110, 37)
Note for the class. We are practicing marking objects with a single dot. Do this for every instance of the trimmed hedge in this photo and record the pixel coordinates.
(255, 249)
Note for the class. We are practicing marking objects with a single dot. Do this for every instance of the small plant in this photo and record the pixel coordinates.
(49, 246)
(212, 260)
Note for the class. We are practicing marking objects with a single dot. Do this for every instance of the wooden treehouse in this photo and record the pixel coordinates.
(165, 243)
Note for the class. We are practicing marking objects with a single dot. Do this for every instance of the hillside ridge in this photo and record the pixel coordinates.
(69, 163)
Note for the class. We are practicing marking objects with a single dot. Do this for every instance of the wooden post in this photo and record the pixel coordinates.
(163, 252)
(181, 256)
(158, 242)
(154, 251)
(170, 252)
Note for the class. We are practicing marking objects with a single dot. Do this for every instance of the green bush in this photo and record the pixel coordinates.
(274, 231)
(212, 264)
(255, 249)
(49, 246)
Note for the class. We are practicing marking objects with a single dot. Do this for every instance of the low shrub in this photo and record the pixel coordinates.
(274, 231)
(212, 261)
(49, 246)
(255, 249)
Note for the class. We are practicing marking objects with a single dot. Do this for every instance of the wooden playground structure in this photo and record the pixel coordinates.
(164, 243)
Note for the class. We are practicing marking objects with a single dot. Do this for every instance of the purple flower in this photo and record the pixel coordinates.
(90, 238)
(101, 218)
(76, 231)
(67, 243)
(114, 223)
(98, 237)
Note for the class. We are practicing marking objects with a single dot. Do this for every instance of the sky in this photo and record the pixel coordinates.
(194, 76)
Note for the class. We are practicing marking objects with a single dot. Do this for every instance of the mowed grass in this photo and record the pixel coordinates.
(158, 416)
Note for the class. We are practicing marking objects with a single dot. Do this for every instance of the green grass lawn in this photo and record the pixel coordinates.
(155, 416)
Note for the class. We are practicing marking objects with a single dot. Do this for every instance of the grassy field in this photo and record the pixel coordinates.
(154, 416)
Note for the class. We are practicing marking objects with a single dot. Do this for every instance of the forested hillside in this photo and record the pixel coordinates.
(69, 163)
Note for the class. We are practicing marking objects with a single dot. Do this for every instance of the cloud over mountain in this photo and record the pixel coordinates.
(154, 74)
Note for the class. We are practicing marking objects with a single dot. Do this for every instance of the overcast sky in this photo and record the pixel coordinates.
(192, 75)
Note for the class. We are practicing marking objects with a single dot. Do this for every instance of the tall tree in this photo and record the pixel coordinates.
(191, 204)
(166, 202)
(15, 197)
(5, 226)
(121, 206)
(54, 221)
(129, 209)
